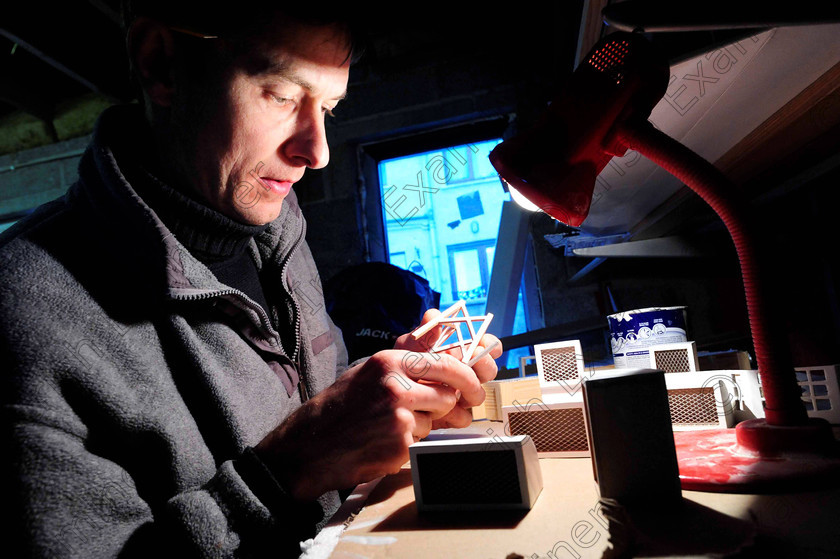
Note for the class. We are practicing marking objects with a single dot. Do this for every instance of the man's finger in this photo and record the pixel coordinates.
(422, 425)
(427, 340)
(484, 363)
(445, 369)
(434, 399)
(459, 417)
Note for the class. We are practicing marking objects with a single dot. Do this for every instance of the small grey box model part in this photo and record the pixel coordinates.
(478, 473)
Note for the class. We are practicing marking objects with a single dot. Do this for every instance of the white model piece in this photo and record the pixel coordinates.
(451, 336)
(818, 386)
(674, 358)
(820, 391)
(560, 367)
(634, 456)
(701, 400)
(446, 473)
(750, 400)
(523, 364)
(558, 427)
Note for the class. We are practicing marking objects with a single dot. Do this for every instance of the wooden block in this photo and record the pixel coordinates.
(490, 406)
(479, 411)
(452, 473)
(505, 392)
(517, 390)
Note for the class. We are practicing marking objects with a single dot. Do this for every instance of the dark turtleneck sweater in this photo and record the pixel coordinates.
(218, 241)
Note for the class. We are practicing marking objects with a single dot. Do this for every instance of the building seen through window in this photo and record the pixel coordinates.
(442, 211)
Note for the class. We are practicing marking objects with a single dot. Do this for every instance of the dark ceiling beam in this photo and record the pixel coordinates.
(107, 11)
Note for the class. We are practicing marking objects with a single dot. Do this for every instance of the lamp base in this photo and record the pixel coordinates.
(755, 457)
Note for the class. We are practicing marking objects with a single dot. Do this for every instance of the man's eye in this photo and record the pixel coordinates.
(282, 100)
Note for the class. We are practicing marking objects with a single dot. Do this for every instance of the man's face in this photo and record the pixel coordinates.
(244, 144)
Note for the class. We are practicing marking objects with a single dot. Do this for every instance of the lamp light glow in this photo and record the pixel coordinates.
(521, 200)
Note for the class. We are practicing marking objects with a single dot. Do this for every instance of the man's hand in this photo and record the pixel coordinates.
(360, 428)
(485, 369)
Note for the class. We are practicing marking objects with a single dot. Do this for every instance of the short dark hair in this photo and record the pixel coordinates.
(203, 61)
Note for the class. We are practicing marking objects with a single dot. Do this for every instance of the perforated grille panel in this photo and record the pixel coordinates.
(559, 364)
(693, 406)
(560, 430)
(672, 360)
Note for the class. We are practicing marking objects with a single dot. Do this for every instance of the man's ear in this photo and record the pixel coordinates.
(151, 51)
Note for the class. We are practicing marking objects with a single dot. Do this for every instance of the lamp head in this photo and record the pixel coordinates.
(555, 163)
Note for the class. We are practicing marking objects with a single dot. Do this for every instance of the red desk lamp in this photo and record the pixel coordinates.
(602, 113)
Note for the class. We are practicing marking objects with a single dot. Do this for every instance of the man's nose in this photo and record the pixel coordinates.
(308, 142)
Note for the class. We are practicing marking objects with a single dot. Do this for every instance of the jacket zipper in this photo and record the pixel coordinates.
(265, 319)
(296, 358)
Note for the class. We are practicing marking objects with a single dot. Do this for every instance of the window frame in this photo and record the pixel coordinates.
(484, 269)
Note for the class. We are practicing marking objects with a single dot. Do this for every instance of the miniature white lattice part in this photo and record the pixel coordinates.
(820, 392)
(451, 322)
(559, 366)
(674, 358)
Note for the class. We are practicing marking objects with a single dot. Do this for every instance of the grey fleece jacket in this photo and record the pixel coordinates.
(134, 383)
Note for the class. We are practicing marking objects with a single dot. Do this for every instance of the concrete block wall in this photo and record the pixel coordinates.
(32, 177)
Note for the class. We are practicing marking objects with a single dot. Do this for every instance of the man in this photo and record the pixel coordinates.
(165, 388)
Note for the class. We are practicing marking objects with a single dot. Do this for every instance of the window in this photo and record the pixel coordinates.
(470, 265)
(441, 211)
